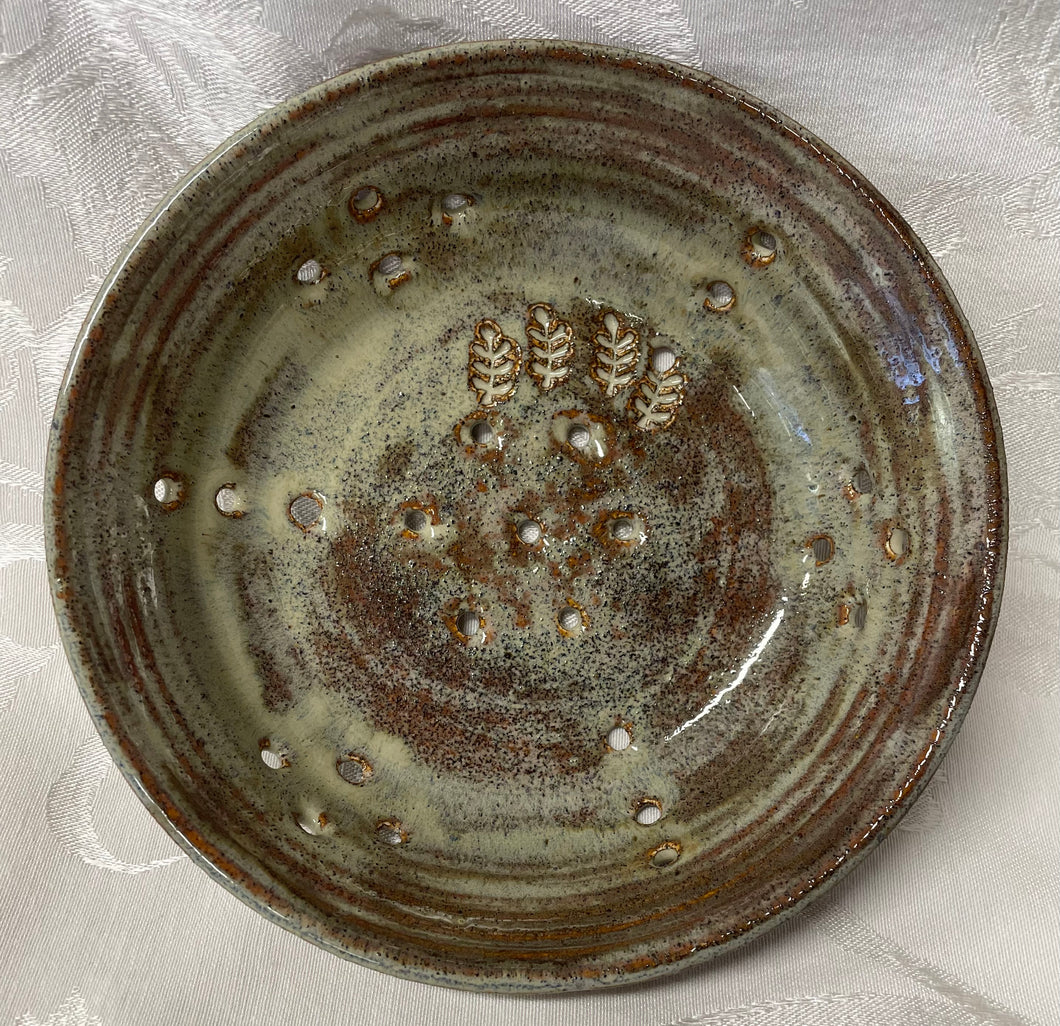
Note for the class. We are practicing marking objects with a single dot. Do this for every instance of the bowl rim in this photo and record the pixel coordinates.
(151, 792)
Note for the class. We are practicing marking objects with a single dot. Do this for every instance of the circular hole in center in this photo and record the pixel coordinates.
(415, 520)
(665, 855)
(720, 296)
(272, 755)
(663, 359)
(823, 549)
(390, 831)
(898, 543)
(366, 198)
(764, 241)
(227, 501)
(310, 273)
(468, 623)
(529, 532)
(619, 739)
(648, 811)
(168, 491)
(305, 510)
(578, 436)
(354, 769)
(862, 481)
(622, 529)
(365, 203)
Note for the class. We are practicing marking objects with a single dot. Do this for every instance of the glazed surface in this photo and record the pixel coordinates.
(387, 330)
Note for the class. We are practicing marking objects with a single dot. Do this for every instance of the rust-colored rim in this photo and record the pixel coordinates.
(153, 791)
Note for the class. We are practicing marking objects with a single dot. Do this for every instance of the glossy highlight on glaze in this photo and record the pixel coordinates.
(530, 558)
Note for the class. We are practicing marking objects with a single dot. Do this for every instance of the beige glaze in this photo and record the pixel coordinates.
(449, 296)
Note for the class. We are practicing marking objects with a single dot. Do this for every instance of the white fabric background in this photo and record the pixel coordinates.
(951, 108)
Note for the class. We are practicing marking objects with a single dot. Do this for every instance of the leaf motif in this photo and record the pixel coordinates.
(493, 363)
(23, 478)
(615, 355)
(659, 393)
(71, 807)
(19, 661)
(19, 542)
(551, 347)
(72, 1012)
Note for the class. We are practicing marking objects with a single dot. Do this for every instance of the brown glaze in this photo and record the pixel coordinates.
(782, 709)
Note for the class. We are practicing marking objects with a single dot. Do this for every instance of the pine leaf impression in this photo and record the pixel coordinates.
(654, 403)
(551, 347)
(493, 363)
(615, 355)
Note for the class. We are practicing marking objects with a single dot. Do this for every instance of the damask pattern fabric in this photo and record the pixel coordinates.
(951, 108)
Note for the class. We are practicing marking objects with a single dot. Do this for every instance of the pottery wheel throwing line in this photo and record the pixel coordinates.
(521, 548)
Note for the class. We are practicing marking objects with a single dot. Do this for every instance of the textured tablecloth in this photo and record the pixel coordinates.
(950, 108)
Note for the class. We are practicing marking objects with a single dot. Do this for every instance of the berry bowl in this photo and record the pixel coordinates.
(526, 516)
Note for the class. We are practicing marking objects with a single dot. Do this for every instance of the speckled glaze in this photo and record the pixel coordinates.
(525, 516)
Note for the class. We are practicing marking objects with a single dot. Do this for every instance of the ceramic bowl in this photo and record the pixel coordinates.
(526, 516)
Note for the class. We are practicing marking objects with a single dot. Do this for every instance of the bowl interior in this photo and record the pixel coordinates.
(526, 516)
